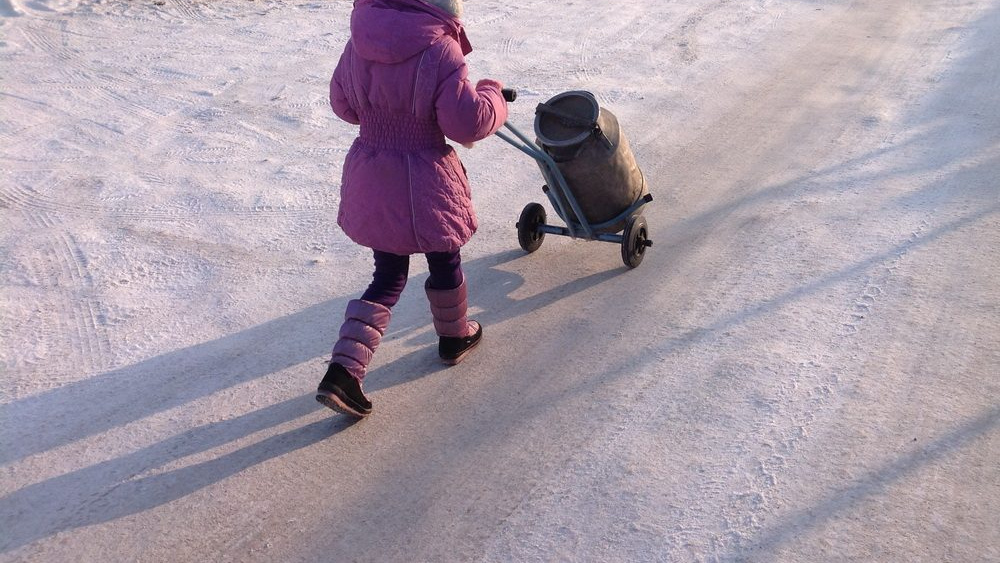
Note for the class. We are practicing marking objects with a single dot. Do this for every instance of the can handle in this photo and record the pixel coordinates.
(570, 120)
(565, 118)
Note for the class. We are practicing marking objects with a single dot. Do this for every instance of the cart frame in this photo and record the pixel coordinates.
(563, 200)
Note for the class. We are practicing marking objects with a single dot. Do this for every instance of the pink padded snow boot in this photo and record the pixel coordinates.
(457, 334)
(364, 324)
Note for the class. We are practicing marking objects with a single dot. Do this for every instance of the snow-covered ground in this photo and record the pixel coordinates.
(806, 367)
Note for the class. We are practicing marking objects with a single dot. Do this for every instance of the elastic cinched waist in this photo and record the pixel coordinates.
(400, 132)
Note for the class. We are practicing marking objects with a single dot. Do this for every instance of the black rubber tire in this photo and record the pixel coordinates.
(528, 235)
(634, 241)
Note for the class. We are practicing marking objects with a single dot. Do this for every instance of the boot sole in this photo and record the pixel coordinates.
(460, 357)
(339, 404)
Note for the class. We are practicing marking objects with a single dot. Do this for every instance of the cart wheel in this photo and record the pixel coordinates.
(634, 241)
(528, 235)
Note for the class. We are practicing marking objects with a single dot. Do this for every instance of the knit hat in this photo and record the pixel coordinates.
(453, 7)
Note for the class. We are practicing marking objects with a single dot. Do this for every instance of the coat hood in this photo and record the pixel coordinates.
(391, 31)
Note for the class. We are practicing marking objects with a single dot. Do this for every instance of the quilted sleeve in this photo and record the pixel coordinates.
(338, 83)
(466, 113)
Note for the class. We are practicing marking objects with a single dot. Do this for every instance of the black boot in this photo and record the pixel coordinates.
(342, 392)
(458, 335)
(453, 348)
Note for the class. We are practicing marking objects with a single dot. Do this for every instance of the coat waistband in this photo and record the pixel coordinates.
(399, 131)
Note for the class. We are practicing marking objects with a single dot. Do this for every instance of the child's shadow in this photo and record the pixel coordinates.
(131, 483)
(121, 396)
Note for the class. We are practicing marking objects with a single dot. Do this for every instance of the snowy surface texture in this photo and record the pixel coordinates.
(805, 367)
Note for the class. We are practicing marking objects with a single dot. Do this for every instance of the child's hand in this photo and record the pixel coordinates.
(468, 145)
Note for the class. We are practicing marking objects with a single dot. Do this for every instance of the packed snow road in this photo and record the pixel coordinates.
(804, 368)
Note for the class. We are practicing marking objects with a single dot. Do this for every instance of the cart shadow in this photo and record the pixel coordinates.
(491, 297)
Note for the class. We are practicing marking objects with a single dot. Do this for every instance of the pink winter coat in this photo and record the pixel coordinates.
(402, 78)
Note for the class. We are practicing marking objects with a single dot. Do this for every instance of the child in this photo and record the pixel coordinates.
(403, 79)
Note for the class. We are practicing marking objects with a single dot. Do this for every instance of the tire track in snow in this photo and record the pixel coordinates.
(46, 208)
(30, 200)
(633, 30)
(511, 49)
(42, 41)
(123, 103)
(77, 325)
(688, 33)
(66, 269)
(592, 50)
(188, 10)
(493, 13)
(88, 312)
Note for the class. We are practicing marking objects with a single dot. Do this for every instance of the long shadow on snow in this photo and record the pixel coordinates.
(400, 516)
(96, 404)
(75, 411)
(960, 115)
(875, 483)
(111, 489)
(971, 183)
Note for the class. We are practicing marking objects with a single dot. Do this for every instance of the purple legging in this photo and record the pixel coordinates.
(392, 271)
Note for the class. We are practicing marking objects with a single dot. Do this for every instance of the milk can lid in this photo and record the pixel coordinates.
(567, 119)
